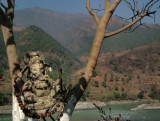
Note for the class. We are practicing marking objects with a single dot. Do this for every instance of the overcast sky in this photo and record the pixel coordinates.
(78, 6)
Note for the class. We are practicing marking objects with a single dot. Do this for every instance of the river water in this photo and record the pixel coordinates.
(116, 109)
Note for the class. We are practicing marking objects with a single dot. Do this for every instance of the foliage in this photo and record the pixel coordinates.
(117, 78)
(96, 84)
(155, 92)
(94, 74)
(103, 84)
(116, 95)
(104, 81)
(116, 88)
(138, 77)
(5, 98)
(123, 95)
(141, 94)
(111, 77)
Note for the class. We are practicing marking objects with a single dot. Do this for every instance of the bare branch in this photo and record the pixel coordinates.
(98, 10)
(130, 6)
(92, 12)
(125, 27)
(137, 5)
(115, 4)
(3, 5)
(149, 5)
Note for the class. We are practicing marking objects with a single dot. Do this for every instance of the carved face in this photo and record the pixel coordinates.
(36, 68)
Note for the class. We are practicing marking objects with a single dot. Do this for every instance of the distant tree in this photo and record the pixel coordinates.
(96, 84)
(117, 78)
(141, 94)
(155, 92)
(6, 23)
(104, 81)
(123, 95)
(111, 77)
(103, 84)
(116, 95)
(138, 77)
(105, 77)
(116, 88)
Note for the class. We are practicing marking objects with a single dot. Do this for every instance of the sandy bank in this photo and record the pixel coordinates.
(147, 106)
(7, 109)
(89, 105)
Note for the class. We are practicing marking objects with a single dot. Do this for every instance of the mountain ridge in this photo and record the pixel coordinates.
(76, 31)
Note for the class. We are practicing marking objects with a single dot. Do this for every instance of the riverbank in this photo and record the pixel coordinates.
(89, 105)
(147, 106)
(7, 109)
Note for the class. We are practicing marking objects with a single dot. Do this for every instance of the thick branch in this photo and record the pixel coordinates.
(92, 12)
(125, 27)
(11, 3)
(115, 4)
(107, 4)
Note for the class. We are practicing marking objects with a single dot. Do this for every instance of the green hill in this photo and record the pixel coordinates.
(33, 38)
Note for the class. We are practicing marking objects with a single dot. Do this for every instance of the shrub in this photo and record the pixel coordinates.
(103, 84)
(96, 83)
(116, 88)
(115, 68)
(117, 78)
(158, 68)
(105, 77)
(4, 98)
(124, 95)
(111, 78)
(116, 95)
(141, 94)
(94, 74)
(138, 77)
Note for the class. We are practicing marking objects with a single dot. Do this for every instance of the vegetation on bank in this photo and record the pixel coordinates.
(5, 97)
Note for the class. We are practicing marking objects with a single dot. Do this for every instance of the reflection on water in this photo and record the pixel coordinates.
(123, 109)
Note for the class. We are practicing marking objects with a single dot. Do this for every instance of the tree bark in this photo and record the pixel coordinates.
(17, 114)
(93, 57)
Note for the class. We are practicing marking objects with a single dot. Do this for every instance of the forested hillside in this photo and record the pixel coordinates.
(33, 38)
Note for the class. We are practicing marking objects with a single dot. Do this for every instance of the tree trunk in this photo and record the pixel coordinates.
(92, 61)
(17, 114)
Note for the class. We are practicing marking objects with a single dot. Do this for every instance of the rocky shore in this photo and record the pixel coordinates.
(89, 105)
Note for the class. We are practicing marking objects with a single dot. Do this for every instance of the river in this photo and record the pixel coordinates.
(116, 109)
